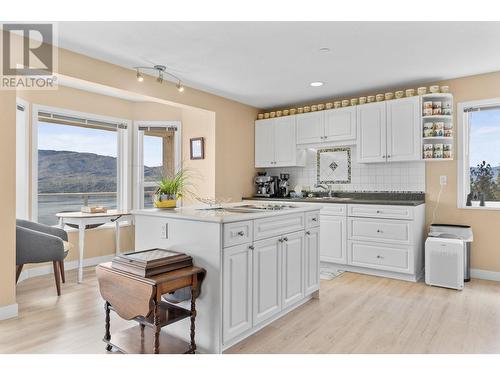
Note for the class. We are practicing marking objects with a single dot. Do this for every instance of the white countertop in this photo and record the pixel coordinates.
(203, 213)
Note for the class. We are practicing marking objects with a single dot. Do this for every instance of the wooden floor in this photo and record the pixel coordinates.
(355, 314)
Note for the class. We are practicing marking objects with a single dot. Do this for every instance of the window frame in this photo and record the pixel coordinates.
(23, 163)
(138, 172)
(463, 163)
(123, 157)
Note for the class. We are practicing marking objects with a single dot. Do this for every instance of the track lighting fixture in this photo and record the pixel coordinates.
(140, 78)
(161, 70)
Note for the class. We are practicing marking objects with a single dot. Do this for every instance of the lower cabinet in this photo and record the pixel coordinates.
(333, 239)
(237, 293)
(311, 260)
(293, 268)
(262, 278)
(266, 279)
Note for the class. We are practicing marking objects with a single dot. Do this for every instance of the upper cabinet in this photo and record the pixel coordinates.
(403, 129)
(371, 133)
(389, 131)
(276, 143)
(332, 125)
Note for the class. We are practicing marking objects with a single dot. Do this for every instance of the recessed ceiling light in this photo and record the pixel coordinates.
(324, 49)
(317, 84)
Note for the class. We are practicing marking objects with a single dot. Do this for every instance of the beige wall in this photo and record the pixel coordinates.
(485, 224)
(7, 198)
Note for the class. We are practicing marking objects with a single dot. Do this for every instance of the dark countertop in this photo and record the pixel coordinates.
(396, 199)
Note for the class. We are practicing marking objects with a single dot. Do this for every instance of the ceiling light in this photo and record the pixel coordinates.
(324, 49)
(179, 86)
(316, 84)
(161, 70)
(140, 78)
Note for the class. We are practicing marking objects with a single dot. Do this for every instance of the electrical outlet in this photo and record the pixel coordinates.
(443, 180)
(164, 231)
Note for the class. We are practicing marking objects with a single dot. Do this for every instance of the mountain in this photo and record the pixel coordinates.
(68, 171)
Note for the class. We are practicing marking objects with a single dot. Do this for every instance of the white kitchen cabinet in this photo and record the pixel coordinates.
(293, 247)
(332, 125)
(371, 146)
(266, 279)
(389, 131)
(340, 124)
(276, 143)
(333, 239)
(264, 143)
(311, 260)
(237, 280)
(310, 127)
(404, 129)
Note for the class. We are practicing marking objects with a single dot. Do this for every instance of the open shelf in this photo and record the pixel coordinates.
(440, 138)
(434, 117)
(169, 314)
(437, 159)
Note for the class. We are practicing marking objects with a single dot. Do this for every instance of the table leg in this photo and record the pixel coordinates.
(157, 327)
(107, 334)
(117, 237)
(81, 244)
(61, 223)
(194, 291)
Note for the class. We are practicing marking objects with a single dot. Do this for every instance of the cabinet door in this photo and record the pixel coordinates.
(403, 129)
(237, 291)
(266, 279)
(371, 133)
(264, 143)
(333, 239)
(340, 124)
(285, 142)
(310, 127)
(293, 268)
(311, 260)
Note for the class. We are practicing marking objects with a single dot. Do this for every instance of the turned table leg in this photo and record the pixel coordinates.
(194, 294)
(157, 327)
(107, 334)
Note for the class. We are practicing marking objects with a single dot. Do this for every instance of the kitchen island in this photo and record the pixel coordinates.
(262, 261)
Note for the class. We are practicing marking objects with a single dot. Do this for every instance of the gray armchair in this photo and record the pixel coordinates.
(38, 243)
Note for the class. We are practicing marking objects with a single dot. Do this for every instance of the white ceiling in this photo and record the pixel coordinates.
(270, 64)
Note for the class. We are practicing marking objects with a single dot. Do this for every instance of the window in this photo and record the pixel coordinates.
(479, 158)
(78, 160)
(157, 156)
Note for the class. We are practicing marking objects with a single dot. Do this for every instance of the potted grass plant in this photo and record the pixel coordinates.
(170, 189)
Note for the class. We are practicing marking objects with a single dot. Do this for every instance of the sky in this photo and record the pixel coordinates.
(101, 142)
(485, 137)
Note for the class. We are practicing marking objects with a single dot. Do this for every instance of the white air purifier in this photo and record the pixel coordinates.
(444, 262)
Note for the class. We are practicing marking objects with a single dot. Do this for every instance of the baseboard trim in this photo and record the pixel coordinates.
(9, 311)
(48, 269)
(484, 274)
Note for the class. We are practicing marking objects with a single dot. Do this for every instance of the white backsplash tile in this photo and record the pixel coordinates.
(396, 176)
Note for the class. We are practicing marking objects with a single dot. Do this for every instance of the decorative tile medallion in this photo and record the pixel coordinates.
(334, 165)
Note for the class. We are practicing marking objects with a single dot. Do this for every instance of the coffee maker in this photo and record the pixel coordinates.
(284, 185)
(267, 186)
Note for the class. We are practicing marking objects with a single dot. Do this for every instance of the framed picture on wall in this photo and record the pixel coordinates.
(197, 148)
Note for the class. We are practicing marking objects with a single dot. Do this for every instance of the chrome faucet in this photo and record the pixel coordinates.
(328, 187)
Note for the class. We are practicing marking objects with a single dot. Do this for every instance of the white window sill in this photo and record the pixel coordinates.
(490, 206)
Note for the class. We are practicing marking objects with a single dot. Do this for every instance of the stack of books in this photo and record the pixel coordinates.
(94, 209)
(151, 262)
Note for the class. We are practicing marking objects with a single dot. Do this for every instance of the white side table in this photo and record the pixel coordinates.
(82, 219)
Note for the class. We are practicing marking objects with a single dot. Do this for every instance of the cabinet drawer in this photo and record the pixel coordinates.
(383, 257)
(238, 233)
(312, 219)
(392, 231)
(277, 225)
(382, 211)
(334, 209)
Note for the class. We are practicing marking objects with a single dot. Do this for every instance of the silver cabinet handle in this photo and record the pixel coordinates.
(379, 231)
(251, 247)
(314, 219)
(285, 239)
(379, 211)
(380, 257)
(241, 233)
(383, 156)
(388, 156)
(280, 240)
(308, 233)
